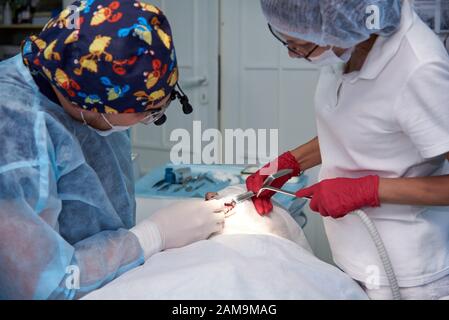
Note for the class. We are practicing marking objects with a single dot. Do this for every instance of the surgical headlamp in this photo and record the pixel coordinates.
(183, 100)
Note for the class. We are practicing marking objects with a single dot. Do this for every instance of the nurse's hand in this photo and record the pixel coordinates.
(337, 197)
(255, 182)
(189, 221)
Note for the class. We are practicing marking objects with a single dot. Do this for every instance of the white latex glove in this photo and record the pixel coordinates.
(179, 225)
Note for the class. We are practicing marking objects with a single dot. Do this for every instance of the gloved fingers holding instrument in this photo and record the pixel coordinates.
(256, 181)
(180, 224)
(338, 197)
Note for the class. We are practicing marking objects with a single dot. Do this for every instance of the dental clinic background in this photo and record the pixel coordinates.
(236, 75)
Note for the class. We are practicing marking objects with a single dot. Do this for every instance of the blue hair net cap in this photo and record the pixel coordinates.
(333, 22)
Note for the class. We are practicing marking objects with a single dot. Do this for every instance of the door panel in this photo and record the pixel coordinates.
(261, 86)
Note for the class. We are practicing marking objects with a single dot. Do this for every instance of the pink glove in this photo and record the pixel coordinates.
(337, 197)
(255, 182)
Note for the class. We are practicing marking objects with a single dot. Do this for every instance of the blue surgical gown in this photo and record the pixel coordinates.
(66, 197)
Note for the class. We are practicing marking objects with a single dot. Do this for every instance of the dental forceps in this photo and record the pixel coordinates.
(287, 193)
(266, 186)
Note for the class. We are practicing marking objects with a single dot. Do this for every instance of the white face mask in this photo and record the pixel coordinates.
(107, 132)
(329, 58)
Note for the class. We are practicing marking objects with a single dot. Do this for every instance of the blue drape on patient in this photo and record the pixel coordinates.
(66, 197)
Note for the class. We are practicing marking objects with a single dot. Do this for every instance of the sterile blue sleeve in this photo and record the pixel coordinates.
(37, 263)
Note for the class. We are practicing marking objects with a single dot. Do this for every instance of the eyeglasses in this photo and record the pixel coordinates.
(158, 117)
(154, 116)
(157, 114)
(287, 45)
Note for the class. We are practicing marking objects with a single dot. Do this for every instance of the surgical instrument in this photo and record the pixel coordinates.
(276, 190)
(164, 187)
(199, 186)
(207, 178)
(267, 183)
(159, 184)
(184, 184)
(241, 198)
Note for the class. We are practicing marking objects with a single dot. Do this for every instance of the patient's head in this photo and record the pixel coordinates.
(244, 219)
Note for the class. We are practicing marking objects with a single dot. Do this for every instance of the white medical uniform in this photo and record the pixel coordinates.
(390, 119)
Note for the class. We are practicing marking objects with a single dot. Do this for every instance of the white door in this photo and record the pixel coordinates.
(195, 28)
(261, 87)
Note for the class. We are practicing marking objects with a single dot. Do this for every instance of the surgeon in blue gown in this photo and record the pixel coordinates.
(67, 207)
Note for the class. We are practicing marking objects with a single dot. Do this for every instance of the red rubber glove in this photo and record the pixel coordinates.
(337, 197)
(255, 182)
